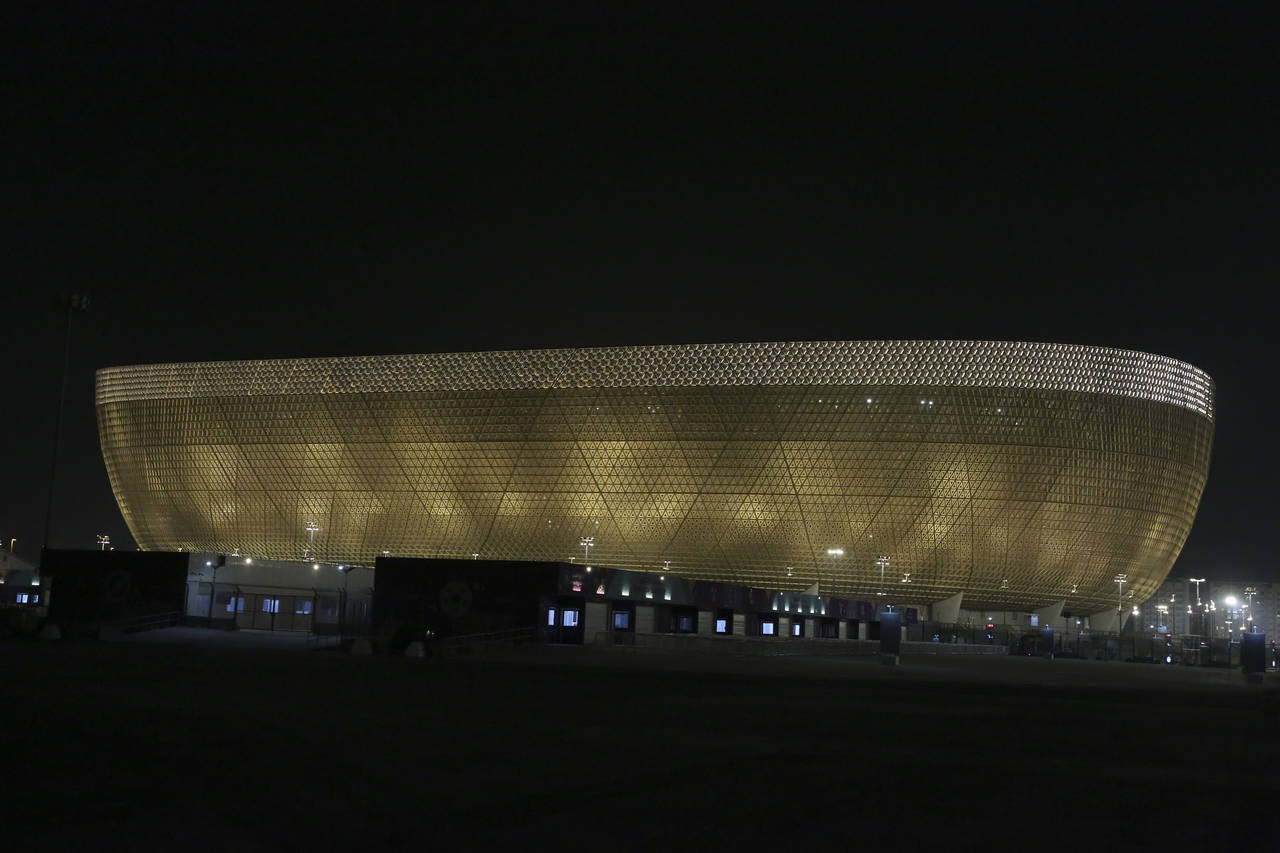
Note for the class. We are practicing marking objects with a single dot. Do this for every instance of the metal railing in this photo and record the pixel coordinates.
(150, 622)
(470, 644)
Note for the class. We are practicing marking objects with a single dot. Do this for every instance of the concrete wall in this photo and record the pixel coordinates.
(596, 618)
(706, 623)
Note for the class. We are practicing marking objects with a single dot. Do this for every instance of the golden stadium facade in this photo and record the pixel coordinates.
(1017, 473)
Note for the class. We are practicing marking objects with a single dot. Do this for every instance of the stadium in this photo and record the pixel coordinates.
(1012, 474)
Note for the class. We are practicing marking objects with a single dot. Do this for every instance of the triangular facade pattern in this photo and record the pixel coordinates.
(1012, 472)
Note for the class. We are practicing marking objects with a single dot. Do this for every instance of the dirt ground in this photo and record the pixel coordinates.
(181, 743)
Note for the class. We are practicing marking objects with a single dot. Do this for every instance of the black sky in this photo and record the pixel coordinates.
(489, 175)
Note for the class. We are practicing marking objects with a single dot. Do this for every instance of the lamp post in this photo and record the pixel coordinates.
(344, 597)
(1120, 580)
(311, 528)
(587, 543)
(103, 541)
(883, 562)
(1197, 582)
(1250, 591)
(213, 585)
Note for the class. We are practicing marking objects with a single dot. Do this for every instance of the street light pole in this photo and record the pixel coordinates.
(882, 561)
(1197, 582)
(1120, 580)
(312, 527)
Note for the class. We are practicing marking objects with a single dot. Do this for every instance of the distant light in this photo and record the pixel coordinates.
(1231, 601)
(208, 562)
(835, 552)
(315, 565)
(868, 399)
(340, 567)
(588, 570)
(248, 561)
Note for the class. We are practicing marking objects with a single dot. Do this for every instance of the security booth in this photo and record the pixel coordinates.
(890, 632)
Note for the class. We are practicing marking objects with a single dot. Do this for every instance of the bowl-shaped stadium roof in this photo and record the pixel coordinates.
(1018, 473)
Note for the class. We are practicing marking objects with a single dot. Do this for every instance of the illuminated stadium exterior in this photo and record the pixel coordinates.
(1018, 474)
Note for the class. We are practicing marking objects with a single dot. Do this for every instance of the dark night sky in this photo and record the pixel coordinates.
(498, 176)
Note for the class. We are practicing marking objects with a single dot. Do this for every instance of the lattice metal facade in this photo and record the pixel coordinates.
(1018, 473)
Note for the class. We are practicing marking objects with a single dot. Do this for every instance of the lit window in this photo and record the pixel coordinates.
(722, 626)
(303, 606)
(270, 605)
(767, 628)
(551, 617)
(21, 598)
(571, 619)
(622, 621)
(796, 629)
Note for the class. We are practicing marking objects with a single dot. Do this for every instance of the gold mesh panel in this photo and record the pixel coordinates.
(1014, 472)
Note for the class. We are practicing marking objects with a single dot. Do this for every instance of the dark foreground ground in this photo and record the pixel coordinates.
(224, 746)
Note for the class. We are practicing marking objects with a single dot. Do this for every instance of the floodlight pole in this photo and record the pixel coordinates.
(76, 303)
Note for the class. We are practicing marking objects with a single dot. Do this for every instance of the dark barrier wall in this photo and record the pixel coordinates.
(1253, 652)
(89, 587)
(452, 597)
